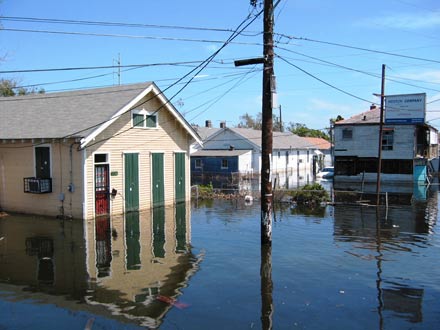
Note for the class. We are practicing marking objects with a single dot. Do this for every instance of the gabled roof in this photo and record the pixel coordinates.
(281, 140)
(79, 114)
(206, 132)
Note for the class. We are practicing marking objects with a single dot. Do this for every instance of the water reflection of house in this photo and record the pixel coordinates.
(409, 150)
(140, 262)
(237, 152)
(128, 268)
(43, 255)
(364, 235)
(86, 153)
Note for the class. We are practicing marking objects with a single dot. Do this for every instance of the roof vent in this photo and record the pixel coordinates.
(208, 124)
(365, 117)
(222, 124)
(373, 107)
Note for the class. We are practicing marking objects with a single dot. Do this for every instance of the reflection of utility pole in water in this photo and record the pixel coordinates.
(266, 287)
(379, 257)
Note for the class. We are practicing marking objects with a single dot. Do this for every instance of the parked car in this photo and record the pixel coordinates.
(326, 172)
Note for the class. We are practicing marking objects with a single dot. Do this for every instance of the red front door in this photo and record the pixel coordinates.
(102, 190)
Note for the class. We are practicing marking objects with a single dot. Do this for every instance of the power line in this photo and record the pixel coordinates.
(361, 71)
(127, 36)
(201, 67)
(100, 67)
(102, 23)
(358, 48)
(324, 82)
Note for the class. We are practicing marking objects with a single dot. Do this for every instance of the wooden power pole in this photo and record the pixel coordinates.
(267, 121)
(267, 126)
(379, 154)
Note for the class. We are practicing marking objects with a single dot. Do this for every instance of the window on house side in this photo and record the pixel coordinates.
(224, 163)
(42, 162)
(347, 134)
(198, 163)
(387, 140)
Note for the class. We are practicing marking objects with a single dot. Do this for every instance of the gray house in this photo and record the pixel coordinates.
(408, 153)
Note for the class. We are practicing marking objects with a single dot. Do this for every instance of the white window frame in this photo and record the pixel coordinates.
(227, 164)
(145, 114)
(198, 163)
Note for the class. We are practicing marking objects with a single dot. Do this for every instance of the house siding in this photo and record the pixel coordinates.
(119, 138)
(365, 141)
(17, 162)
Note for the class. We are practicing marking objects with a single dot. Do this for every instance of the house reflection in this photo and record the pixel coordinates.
(43, 255)
(139, 267)
(375, 235)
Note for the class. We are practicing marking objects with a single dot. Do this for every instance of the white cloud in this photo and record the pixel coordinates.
(413, 21)
(432, 76)
(212, 48)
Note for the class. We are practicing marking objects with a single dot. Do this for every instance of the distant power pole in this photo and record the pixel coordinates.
(379, 156)
(267, 126)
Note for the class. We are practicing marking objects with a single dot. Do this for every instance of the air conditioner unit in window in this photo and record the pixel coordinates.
(37, 186)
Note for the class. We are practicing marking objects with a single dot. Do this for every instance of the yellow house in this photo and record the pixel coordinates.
(93, 152)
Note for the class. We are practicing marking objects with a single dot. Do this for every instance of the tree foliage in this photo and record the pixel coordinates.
(8, 87)
(249, 121)
(304, 131)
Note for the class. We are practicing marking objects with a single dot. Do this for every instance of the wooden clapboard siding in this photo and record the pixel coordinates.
(120, 138)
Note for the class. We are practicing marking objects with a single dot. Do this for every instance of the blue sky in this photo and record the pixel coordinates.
(316, 79)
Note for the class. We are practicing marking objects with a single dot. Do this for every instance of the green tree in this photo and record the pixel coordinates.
(249, 121)
(8, 87)
(304, 131)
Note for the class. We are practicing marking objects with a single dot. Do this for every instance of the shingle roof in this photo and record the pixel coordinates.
(368, 117)
(319, 143)
(57, 115)
(206, 132)
(219, 153)
(281, 140)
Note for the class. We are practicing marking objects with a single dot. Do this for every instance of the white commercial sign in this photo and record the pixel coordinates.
(405, 108)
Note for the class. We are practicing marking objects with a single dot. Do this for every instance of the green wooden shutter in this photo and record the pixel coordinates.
(179, 180)
(158, 179)
(131, 182)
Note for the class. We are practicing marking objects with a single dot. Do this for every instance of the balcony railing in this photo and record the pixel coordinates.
(37, 186)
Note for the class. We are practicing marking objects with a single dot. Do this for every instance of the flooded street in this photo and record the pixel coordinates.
(201, 267)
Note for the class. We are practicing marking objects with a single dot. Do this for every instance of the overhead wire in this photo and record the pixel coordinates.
(200, 68)
(358, 48)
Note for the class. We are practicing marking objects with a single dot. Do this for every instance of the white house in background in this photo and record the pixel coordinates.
(409, 150)
(293, 156)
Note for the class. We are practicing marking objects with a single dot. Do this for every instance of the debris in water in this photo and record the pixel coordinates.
(172, 301)
(89, 324)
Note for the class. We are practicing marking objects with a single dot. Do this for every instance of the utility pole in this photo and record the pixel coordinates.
(267, 120)
(379, 157)
(267, 126)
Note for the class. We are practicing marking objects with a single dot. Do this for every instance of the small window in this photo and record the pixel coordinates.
(224, 163)
(151, 121)
(143, 119)
(198, 163)
(387, 140)
(100, 158)
(347, 134)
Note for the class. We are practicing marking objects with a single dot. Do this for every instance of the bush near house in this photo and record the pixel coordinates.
(310, 194)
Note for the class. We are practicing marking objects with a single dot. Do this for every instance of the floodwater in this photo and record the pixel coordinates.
(202, 267)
